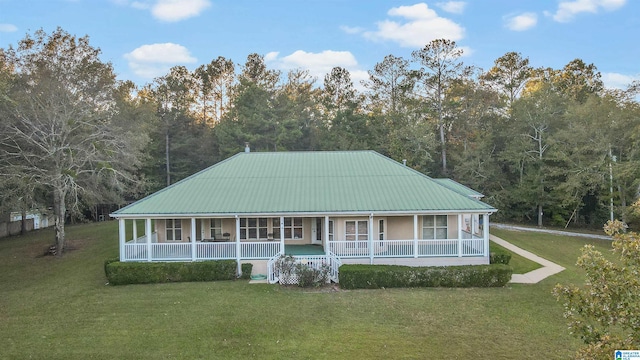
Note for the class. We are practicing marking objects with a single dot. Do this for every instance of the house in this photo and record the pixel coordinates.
(324, 207)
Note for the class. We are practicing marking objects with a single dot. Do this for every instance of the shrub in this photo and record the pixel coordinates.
(388, 276)
(499, 256)
(122, 273)
(290, 271)
(246, 271)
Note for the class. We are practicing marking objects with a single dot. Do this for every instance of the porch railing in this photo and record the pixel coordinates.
(409, 248)
(138, 250)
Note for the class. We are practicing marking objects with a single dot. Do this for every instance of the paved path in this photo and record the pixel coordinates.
(532, 277)
(548, 231)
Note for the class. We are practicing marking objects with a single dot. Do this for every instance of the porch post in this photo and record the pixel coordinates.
(415, 236)
(135, 229)
(485, 230)
(327, 250)
(238, 248)
(460, 235)
(122, 238)
(282, 235)
(148, 233)
(370, 239)
(193, 239)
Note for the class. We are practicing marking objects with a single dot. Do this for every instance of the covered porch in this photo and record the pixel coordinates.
(347, 237)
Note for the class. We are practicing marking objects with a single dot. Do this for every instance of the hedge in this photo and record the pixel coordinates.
(122, 273)
(246, 270)
(499, 256)
(390, 276)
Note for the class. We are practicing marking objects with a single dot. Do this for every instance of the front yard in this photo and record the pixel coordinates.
(61, 309)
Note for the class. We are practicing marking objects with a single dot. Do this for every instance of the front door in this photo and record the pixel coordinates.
(316, 231)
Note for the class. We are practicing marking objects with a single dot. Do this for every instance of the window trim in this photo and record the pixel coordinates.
(275, 228)
(356, 242)
(435, 227)
(172, 229)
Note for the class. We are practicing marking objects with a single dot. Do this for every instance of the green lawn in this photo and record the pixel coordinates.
(54, 308)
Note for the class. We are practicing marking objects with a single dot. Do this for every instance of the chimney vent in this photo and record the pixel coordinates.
(404, 162)
(247, 149)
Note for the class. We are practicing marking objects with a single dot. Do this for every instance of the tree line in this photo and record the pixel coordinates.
(546, 146)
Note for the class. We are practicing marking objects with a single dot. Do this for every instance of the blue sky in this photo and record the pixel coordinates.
(144, 38)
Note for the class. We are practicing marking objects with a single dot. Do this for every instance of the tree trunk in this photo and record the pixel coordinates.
(539, 215)
(23, 223)
(444, 150)
(59, 213)
(166, 153)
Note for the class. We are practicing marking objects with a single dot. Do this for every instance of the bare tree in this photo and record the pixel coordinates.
(58, 131)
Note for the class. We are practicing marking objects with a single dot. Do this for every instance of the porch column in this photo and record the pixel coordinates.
(460, 235)
(485, 230)
(415, 236)
(327, 250)
(135, 229)
(193, 239)
(122, 238)
(148, 233)
(370, 239)
(238, 248)
(282, 235)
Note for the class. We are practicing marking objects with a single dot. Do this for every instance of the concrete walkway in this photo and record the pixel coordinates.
(549, 231)
(532, 277)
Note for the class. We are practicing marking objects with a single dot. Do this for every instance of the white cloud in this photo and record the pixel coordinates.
(421, 25)
(168, 10)
(351, 30)
(521, 22)
(568, 9)
(319, 64)
(8, 28)
(617, 81)
(454, 7)
(149, 61)
(176, 10)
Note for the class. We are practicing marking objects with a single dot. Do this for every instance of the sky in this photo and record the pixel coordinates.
(144, 38)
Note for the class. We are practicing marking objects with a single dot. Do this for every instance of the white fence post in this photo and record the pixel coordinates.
(148, 233)
(282, 235)
(193, 239)
(238, 257)
(485, 224)
(460, 235)
(122, 237)
(370, 239)
(415, 236)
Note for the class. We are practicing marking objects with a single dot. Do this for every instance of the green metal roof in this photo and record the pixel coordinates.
(456, 186)
(304, 182)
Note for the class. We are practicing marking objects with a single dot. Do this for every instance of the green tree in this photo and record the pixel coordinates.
(59, 131)
(508, 75)
(605, 312)
(440, 65)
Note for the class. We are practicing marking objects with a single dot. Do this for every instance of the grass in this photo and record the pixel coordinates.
(520, 265)
(53, 308)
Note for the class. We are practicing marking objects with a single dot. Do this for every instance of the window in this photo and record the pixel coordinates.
(330, 233)
(434, 227)
(173, 229)
(381, 231)
(253, 229)
(215, 229)
(357, 231)
(292, 228)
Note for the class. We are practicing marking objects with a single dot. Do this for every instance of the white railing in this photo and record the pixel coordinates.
(135, 252)
(471, 246)
(259, 249)
(171, 251)
(215, 251)
(316, 262)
